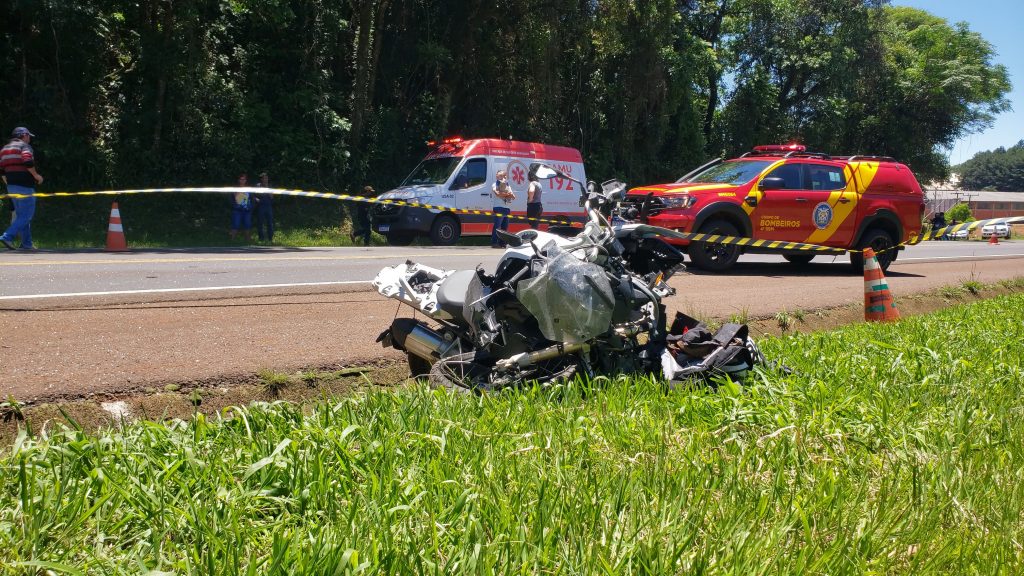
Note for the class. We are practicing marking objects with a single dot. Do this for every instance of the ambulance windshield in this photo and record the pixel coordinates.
(432, 171)
(733, 172)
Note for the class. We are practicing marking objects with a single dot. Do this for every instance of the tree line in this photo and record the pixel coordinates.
(1000, 170)
(335, 94)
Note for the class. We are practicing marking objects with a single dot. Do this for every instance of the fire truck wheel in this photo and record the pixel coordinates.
(798, 259)
(879, 241)
(445, 230)
(715, 257)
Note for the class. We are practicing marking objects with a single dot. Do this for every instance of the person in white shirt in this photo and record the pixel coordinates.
(534, 207)
(500, 190)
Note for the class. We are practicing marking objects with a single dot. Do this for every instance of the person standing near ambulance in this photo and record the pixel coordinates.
(534, 207)
(18, 169)
(500, 190)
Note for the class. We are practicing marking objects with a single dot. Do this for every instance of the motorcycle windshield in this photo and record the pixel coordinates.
(572, 300)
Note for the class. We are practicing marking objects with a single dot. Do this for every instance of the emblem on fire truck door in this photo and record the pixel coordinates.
(822, 215)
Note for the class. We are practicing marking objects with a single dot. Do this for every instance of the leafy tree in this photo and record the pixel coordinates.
(1000, 169)
(959, 213)
(940, 84)
(849, 76)
(336, 94)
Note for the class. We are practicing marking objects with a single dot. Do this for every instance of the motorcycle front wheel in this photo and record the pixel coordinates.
(461, 373)
(453, 373)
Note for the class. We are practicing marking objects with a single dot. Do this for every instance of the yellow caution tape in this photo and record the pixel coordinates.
(281, 192)
(938, 232)
(799, 246)
(778, 245)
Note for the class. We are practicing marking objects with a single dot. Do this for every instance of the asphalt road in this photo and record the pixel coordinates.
(43, 274)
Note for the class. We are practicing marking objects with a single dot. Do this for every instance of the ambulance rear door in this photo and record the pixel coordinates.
(561, 196)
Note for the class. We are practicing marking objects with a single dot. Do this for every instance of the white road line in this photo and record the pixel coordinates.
(975, 256)
(127, 258)
(351, 282)
(170, 290)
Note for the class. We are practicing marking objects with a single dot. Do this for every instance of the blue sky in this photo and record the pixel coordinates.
(1001, 22)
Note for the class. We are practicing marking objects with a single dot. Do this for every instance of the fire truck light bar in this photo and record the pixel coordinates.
(780, 148)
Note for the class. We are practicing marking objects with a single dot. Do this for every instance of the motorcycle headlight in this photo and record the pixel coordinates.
(681, 202)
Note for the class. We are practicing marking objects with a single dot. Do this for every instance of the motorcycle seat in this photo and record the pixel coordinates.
(451, 294)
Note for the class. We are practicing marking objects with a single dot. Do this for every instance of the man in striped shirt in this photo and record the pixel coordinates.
(18, 170)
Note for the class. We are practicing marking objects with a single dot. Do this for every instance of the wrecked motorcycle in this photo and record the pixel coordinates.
(556, 306)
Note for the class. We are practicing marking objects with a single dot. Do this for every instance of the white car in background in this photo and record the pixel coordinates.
(1000, 229)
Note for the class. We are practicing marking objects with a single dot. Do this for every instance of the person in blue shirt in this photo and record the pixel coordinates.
(241, 210)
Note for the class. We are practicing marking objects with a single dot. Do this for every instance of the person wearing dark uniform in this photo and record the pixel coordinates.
(264, 210)
(939, 221)
(18, 169)
(361, 217)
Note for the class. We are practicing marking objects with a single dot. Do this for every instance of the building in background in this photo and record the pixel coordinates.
(983, 204)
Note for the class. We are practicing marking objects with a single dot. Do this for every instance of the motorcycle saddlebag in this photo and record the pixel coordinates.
(693, 352)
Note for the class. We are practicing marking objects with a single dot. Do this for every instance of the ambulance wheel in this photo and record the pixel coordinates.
(715, 257)
(879, 241)
(799, 259)
(445, 231)
(400, 238)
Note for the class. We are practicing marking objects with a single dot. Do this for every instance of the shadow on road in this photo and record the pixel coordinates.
(179, 305)
(788, 270)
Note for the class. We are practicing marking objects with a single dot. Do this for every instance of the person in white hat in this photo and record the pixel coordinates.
(18, 170)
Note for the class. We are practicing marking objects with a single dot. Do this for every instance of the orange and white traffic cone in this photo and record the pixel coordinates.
(878, 302)
(994, 238)
(115, 232)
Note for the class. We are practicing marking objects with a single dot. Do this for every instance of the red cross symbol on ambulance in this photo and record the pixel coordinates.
(518, 176)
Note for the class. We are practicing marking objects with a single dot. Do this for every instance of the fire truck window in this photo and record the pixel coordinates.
(791, 174)
(825, 177)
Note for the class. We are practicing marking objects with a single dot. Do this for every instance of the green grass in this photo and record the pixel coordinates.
(273, 382)
(741, 317)
(194, 220)
(893, 448)
(785, 320)
(952, 292)
(973, 286)
(185, 220)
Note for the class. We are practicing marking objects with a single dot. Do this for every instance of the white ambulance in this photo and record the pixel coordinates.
(457, 175)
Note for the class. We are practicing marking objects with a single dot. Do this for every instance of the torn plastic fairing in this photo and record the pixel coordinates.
(572, 300)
